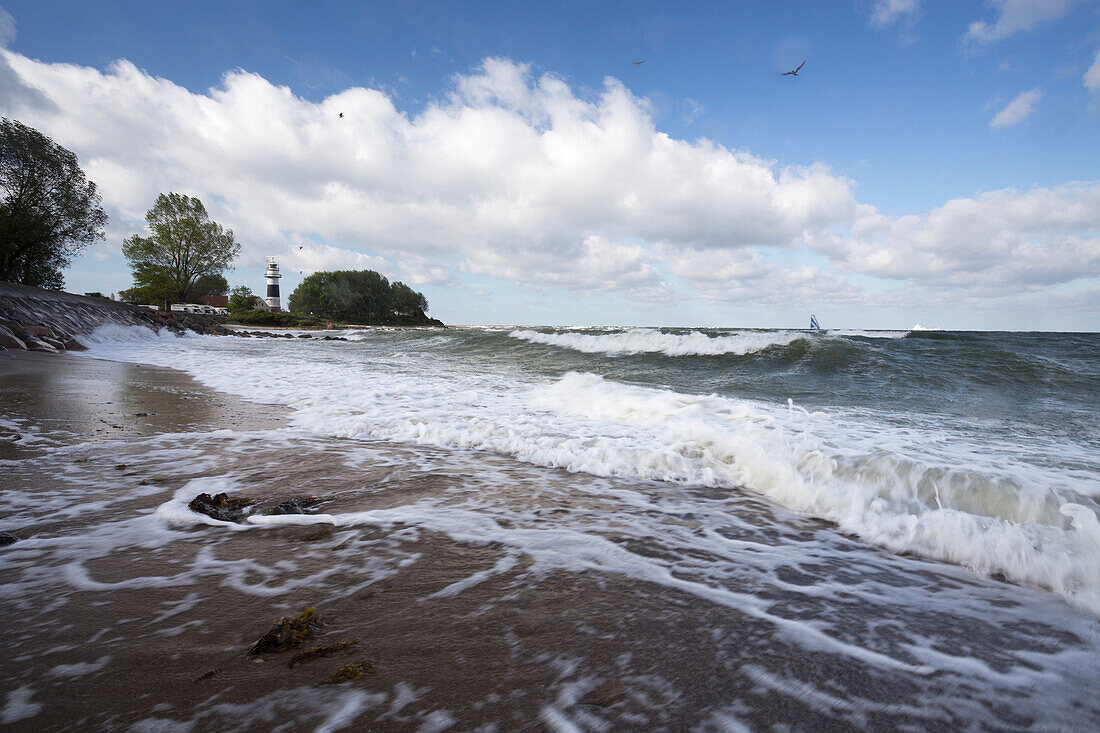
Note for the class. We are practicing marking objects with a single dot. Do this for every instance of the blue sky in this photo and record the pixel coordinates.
(921, 167)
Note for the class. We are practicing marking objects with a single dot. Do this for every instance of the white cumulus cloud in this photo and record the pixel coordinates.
(507, 166)
(519, 177)
(1005, 241)
(746, 276)
(1092, 76)
(888, 12)
(1016, 16)
(1018, 110)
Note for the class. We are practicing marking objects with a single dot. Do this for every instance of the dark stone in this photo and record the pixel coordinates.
(304, 336)
(52, 342)
(12, 342)
(297, 505)
(220, 506)
(12, 325)
(74, 345)
(33, 344)
(6, 538)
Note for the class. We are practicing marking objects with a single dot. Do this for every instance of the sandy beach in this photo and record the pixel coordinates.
(126, 611)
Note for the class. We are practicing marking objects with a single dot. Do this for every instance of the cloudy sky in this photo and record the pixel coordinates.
(933, 162)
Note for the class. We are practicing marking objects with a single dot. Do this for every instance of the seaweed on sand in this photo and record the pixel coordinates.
(322, 651)
(350, 672)
(287, 633)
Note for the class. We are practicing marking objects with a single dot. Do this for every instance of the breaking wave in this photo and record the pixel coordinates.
(650, 341)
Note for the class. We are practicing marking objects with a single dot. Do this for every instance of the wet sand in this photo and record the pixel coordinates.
(118, 620)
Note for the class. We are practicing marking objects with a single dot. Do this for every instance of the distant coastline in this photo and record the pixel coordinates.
(34, 319)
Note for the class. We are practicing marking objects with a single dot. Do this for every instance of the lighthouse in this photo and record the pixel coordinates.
(272, 276)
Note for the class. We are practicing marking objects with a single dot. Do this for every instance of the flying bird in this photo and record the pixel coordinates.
(639, 63)
(341, 115)
(795, 72)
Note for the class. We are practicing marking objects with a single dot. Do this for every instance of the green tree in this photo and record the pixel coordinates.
(308, 297)
(208, 285)
(357, 296)
(240, 300)
(49, 212)
(156, 289)
(184, 245)
(408, 302)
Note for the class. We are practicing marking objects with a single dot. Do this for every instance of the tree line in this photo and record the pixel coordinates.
(50, 212)
(358, 296)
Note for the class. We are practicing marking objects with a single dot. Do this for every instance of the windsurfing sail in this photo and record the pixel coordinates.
(813, 323)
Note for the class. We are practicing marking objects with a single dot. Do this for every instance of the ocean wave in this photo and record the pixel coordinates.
(867, 334)
(906, 488)
(649, 341)
(1009, 521)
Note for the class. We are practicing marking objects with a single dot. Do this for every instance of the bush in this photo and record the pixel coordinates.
(274, 318)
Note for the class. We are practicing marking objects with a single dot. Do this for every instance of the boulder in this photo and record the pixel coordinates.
(12, 342)
(34, 344)
(12, 325)
(304, 336)
(74, 345)
(52, 342)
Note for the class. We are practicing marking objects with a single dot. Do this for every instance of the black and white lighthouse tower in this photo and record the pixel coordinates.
(272, 276)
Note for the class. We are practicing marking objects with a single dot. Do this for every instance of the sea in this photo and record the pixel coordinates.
(685, 528)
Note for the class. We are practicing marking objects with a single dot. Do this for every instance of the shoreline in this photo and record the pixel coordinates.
(126, 610)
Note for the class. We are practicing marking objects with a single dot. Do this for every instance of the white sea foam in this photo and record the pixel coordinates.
(649, 341)
(18, 705)
(909, 489)
(79, 669)
(115, 333)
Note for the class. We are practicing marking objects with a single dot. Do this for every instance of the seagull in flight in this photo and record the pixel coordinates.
(341, 115)
(795, 72)
(639, 63)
